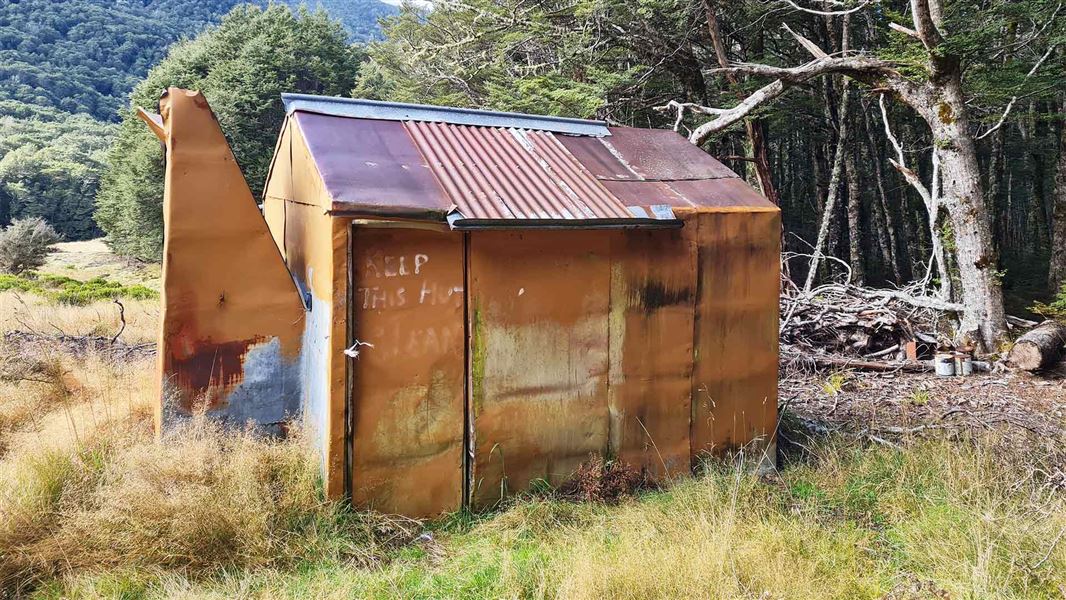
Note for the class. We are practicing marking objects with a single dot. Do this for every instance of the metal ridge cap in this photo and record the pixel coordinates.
(359, 108)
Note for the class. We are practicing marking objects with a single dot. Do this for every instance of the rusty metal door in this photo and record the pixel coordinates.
(407, 389)
(538, 306)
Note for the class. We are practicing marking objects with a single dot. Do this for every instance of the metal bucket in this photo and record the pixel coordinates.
(963, 364)
(945, 364)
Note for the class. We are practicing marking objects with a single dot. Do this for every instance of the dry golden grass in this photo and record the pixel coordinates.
(85, 486)
(20, 311)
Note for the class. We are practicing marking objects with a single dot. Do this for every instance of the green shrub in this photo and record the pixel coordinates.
(66, 290)
(1056, 309)
(25, 244)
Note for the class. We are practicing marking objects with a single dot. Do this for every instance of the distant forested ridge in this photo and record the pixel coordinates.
(84, 56)
(67, 68)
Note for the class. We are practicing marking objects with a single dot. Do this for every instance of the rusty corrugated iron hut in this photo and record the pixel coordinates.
(459, 303)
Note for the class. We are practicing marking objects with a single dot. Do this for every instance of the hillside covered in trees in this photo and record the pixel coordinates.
(67, 68)
(242, 66)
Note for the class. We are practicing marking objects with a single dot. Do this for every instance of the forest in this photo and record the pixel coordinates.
(912, 141)
(66, 71)
(910, 145)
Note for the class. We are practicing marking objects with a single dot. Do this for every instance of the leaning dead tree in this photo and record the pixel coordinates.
(939, 100)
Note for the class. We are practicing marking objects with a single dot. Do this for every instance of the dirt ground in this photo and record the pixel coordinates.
(1029, 410)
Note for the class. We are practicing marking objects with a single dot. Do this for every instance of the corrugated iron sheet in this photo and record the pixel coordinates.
(496, 173)
(380, 160)
(407, 419)
(372, 165)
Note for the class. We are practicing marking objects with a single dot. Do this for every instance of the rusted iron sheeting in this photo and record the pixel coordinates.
(648, 345)
(373, 165)
(653, 292)
(315, 247)
(230, 335)
(407, 414)
(734, 383)
(386, 161)
(631, 154)
(539, 356)
(720, 193)
(647, 193)
(497, 173)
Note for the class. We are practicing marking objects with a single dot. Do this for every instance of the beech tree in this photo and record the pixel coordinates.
(935, 92)
(243, 65)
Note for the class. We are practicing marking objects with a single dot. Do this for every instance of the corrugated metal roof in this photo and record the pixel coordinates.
(374, 166)
(482, 168)
(498, 173)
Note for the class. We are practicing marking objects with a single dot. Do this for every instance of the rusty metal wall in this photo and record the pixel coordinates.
(539, 305)
(734, 383)
(230, 336)
(653, 292)
(650, 346)
(315, 246)
(408, 387)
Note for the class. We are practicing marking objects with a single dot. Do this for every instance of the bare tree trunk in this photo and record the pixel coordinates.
(938, 98)
(983, 316)
(885, 214)
(753, 126)
(834, 186)
(1057, 269)
(855, 257)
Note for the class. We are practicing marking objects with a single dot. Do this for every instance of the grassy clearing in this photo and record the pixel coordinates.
(93, 505)
(65, 290)
(90, 259)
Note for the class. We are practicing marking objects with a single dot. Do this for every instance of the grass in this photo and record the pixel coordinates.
(93, 505)
(933, 519)
(89, 259)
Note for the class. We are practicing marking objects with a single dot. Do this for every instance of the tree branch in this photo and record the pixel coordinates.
(806, 43)
(1014, 98)
(923, 11)
(904, 30)
(859, 67)
(827, 13)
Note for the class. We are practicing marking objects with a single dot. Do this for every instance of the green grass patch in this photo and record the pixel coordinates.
(66, 290)
(935, 519)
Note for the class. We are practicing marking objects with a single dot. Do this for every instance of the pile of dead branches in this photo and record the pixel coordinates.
(843, 319)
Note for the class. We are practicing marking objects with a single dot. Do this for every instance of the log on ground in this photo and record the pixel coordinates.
(1040, 348)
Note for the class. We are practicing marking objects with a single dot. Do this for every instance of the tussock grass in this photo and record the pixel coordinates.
(86, 488)
(28, 312)
(93, 505)
(936, 519)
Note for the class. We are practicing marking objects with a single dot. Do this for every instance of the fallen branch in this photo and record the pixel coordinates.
(834, 362)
